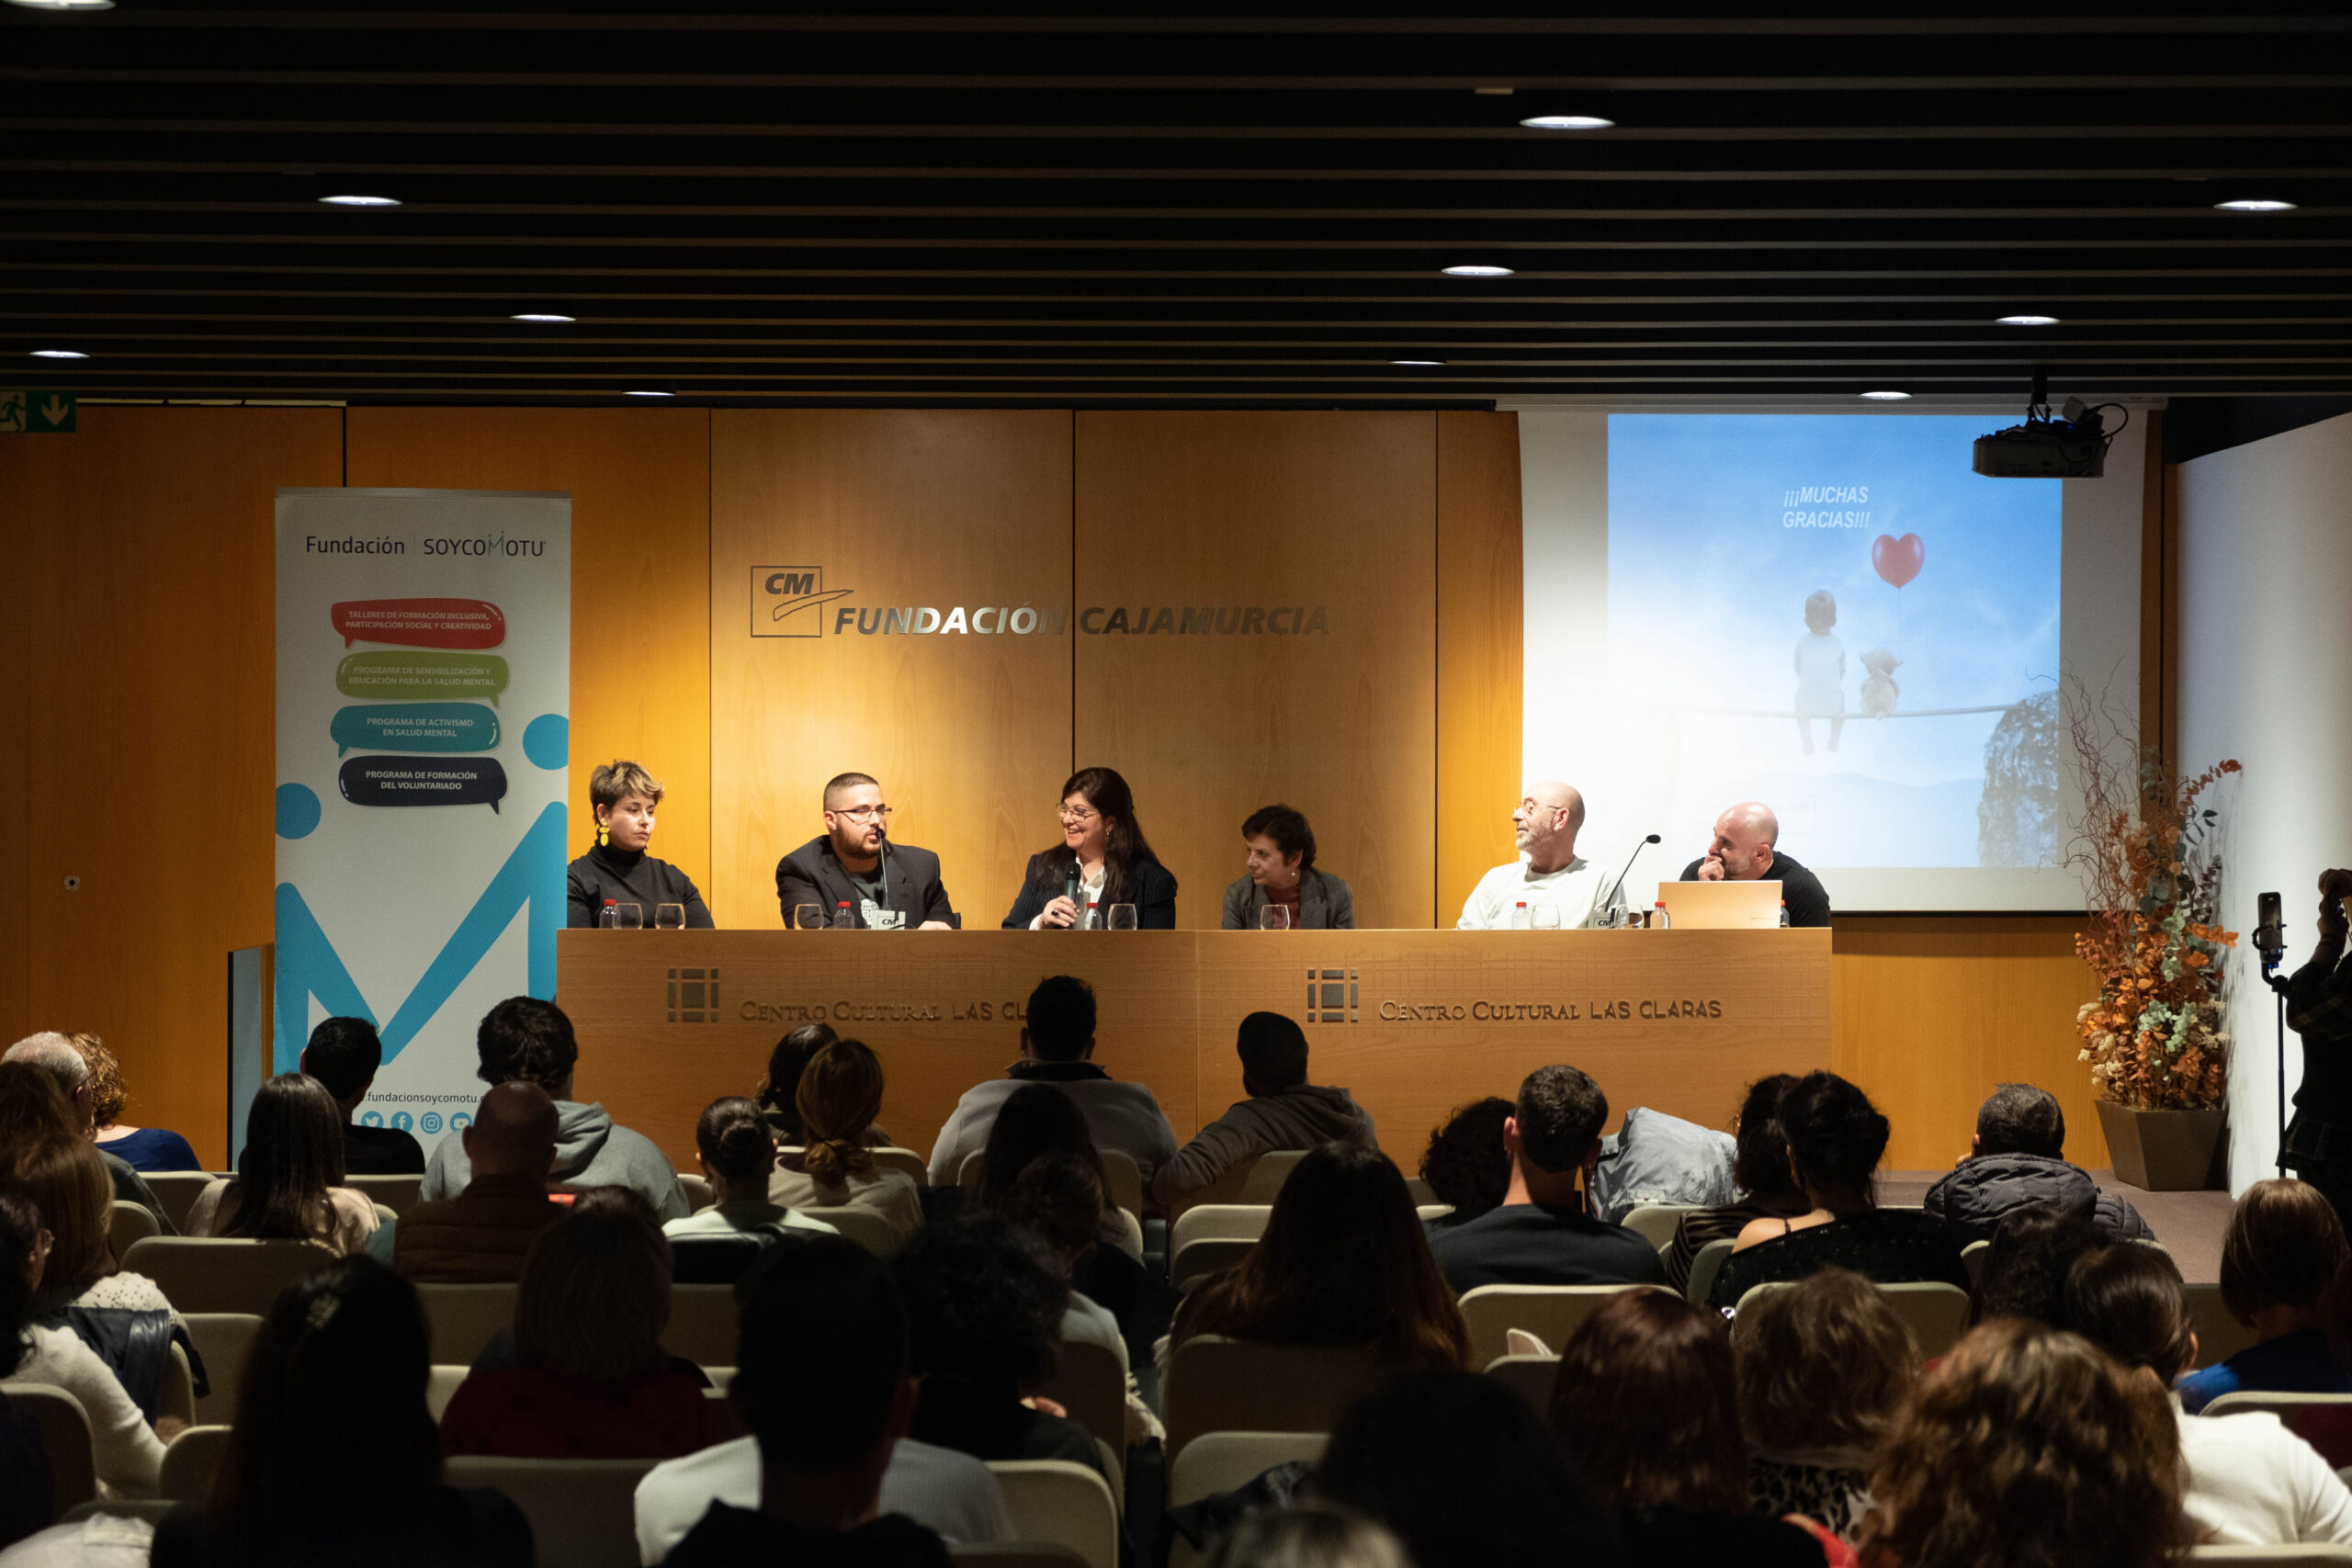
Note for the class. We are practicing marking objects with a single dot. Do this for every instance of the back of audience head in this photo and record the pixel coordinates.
(525, 1037)
(737, 1146)
(1467, 1164)
(1467, 1475)
(839, 1097)
(343, 1054)
(22, 1264)
(66, 1184)
(1824, 1363)
(2127, 1300)
(2019, 1118)
(1274, 1053)
(2029, 1447)
(1759, 1161)
(822, 1372)
(1035, 1119)
(1836, 1136)
(53, 1053)
(1646, 1403)
(980, 1307)
(2283, 1245)
(777, 1092)
(293, 1153)
(1309, 1535)
(1343, 1261)
(594, 1294)
(105, 1090)
(1555, 1133)
(1057, 1201)
(2023, 1273)
(514, 1132)
(34, 1105)
(1059, 1022)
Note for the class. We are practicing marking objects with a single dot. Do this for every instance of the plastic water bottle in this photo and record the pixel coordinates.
(1785, 913)
(1520, 920)
(1658, 918)
(842, 920)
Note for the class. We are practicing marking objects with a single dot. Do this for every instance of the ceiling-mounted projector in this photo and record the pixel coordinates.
(2071, 447)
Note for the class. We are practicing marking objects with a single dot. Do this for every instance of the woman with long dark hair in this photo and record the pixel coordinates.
(1103, 861)
(288, 1184)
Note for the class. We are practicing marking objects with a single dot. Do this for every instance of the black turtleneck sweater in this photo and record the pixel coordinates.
(628, 876)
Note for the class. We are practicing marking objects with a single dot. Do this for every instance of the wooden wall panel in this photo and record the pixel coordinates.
(641, 583)
(969, 735)
(1480, 623)
(1240, 510)
(143, 687)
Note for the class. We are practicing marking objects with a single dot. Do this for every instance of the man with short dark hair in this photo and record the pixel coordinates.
(1057, 1047)
(1541, 1235)
(524, 1039)
(2016, 1159)
(343, 1054)
(822, 1379)
(1284, 1111)
(479, 1236)
(855, 868)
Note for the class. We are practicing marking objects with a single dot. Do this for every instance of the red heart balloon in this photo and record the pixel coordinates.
(1898, 561)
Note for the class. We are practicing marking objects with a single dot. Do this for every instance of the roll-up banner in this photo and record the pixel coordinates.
(424, 700)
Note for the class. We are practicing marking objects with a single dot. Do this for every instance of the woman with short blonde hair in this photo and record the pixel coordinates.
(617, 874)
(839, 1097)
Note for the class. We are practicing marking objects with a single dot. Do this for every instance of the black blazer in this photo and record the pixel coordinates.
(813, 874)
(1150, 887)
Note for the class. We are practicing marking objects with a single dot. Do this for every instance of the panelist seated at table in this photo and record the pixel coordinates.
(1548, 874)
(618, 869)
(1102, 862)
(1747, 849)
(854, 867)
(1281, 875)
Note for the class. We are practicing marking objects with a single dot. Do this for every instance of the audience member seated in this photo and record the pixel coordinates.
(1058, 1048)
(479, 1236)
(1646, 1405)
(1309, 1535)
(590, 1379)
(824, 1387)
(982, 1314)
(2029, 1446)
(25, 1482)
(343, 1054)
(333, 1457)
(2015, 1158)
(2023, 1271)
(1467, 1475)
(1057, 1202)
(1824, 1366)
(128, 1452)
(123, 1318)
(1760, 1168)
(523, 1038)
(1344, 1261)
(142, 1148)
(2251, 1482)
(1039, 1120)
(1835, 1137)
(1540, 1234)
(777, 1092)
(289, 1175)
(2283, 1245)
(1284, 1111)
(737, 1152)
(839, 1094)
(1467, 1164)
(44, 1086)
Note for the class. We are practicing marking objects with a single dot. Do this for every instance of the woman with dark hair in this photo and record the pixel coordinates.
(333, 1458)
(2283, 1246)
(1824, 1366)
(1279, 872)
(25, 1482)
(1343, 1261)
(2027, 1448)
(142, 1148)
(1836, 1136)
(288, 1184)
(778, 1087)
(1101, 861)
(1759, 1170)
(735, 1148)
(1038, 1120)
(1467, 1164)
(839, 1095)
(1645, 1403)
(617, 870)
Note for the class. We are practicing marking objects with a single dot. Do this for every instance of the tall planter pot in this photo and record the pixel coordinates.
(2162, 1151)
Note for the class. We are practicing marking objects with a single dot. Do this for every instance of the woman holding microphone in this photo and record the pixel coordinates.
(616, 871)
(1102, 863)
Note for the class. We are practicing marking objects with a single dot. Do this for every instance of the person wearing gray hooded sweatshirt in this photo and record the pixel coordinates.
(1284, 1111)
(528, 1041)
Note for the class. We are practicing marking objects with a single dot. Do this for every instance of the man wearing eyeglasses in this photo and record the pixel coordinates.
(884, 885)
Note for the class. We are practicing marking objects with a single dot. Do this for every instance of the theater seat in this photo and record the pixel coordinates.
(398, 1193)
(1936, 1313)
(1026, 1554)
(1216, 1384)
(441, 1385)
(1226, 1461)
(2219, 1335)
(1530, 1377)
(1061, 1504)
(715, 1260)
(863, 1226)
(699, 1192)
(189, 1461)
(1705, 1264)
(1090, 1385)
(583, 1511)
(1122, 1176)
(176, 1192)
(463, 1317)
(1551, 1312)
(702, 1324)
(128, 1222)
(222, 1273)
(1655, 1223)
(2301, 1556)
(223, 1339)
(64, 1428)
(1972, 1258)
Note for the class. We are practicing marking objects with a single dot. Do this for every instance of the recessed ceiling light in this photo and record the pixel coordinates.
(1568, 122)
(1886, 397)
(2255, 205)
(59, 354)
(2026, 322)
(1477, 270)
(1417, 362)
(648, 392)
(541, 316)
(354, 198)
(64, 5)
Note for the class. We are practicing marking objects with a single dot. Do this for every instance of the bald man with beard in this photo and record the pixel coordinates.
(1548, 871)
(479, 1236)
(1746, 849)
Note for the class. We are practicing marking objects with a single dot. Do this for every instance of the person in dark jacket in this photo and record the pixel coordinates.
(2014, 1160)
(343, 1054)
(1281, 871)
(618, 869)
(1102, 861)
(855, 868)
(1746, 848)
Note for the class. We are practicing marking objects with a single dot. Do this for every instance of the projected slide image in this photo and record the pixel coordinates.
(1832, 615)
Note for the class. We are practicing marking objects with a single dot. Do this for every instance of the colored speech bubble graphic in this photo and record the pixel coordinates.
(396, 781)
(415, 727)
(412, 675)
(420, 622)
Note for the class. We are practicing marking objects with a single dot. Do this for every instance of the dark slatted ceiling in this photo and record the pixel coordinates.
(744, 207)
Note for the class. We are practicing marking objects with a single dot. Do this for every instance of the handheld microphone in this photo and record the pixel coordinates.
(2270, 931)
(1617, 894)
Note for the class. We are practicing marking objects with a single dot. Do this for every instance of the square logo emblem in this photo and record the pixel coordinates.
(693, 995)
(1331, 995)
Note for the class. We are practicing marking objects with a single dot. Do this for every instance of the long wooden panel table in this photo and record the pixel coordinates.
(1414, 1023)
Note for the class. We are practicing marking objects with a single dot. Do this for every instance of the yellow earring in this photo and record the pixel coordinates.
(600, 833)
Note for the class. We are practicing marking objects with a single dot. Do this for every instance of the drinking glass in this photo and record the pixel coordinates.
(1547, 917)
(1274, 918)
(808, 917)
(1122, 917)
(628, 916)
(669, 917)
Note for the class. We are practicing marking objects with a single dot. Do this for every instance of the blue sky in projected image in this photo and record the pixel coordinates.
(1706, 606)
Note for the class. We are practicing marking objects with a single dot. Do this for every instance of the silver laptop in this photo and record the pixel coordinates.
(1721, 905)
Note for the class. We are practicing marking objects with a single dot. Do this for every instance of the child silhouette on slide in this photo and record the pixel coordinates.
(1821, 671)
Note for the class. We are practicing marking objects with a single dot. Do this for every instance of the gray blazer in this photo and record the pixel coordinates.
(1324, 904)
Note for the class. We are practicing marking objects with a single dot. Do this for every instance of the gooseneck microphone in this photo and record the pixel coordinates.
(1617, 894)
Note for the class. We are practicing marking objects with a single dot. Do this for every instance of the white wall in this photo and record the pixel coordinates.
(2266, 676)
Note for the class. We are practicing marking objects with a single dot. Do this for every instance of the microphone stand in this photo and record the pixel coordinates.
(2272, 945)
(1617, 894)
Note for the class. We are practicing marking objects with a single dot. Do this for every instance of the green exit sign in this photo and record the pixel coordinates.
(35, 412)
